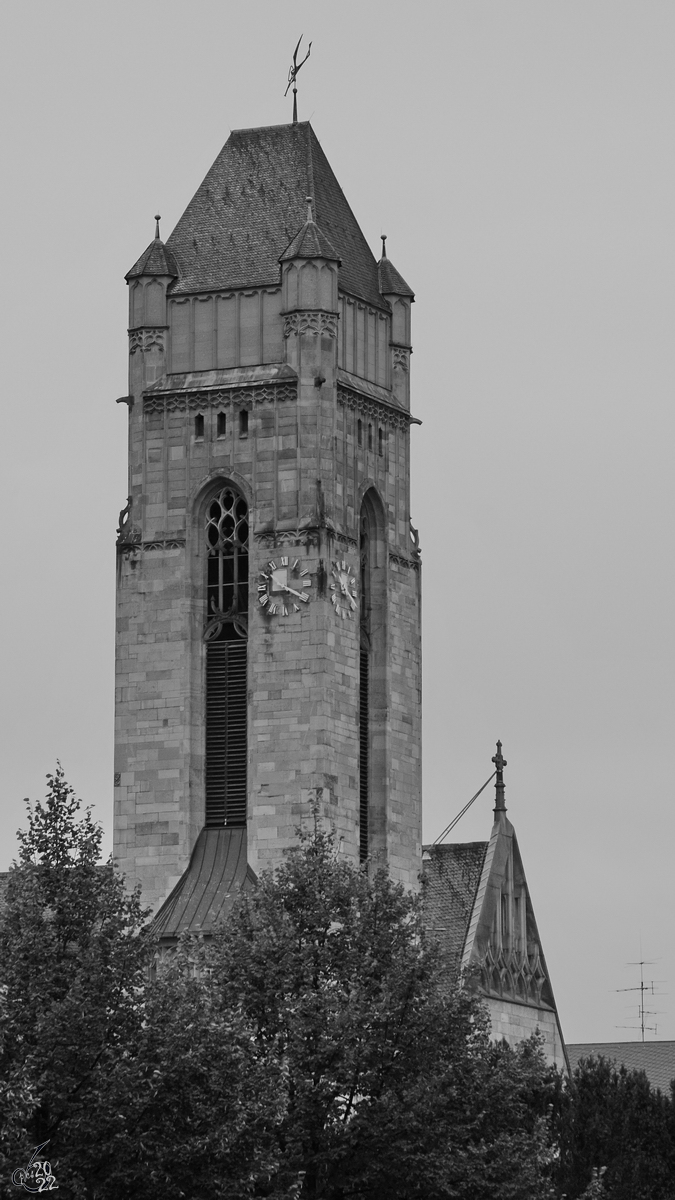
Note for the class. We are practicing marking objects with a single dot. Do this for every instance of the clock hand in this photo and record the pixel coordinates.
(286, 588)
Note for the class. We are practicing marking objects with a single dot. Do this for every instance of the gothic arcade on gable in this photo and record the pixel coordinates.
(268, 619)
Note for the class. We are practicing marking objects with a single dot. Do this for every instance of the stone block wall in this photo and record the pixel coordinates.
(515, 1022)
(286, 435)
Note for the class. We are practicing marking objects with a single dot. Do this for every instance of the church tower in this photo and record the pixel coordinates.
(268, 578)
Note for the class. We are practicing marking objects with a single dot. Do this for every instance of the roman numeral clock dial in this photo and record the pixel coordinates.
(283, 587)
(343, 589)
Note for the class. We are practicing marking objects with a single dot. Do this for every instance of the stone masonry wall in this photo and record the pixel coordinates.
(298, 461)
(515, 1022)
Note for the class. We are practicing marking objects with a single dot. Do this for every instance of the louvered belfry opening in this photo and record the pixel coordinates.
(364, 737)
(226, 636)
(364, 692)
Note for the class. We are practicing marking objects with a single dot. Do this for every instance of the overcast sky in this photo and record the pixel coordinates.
(520, 158)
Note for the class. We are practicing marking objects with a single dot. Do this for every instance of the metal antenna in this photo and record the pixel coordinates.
(642, 989)
(292, 76)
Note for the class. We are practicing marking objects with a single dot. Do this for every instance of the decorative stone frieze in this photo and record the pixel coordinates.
(311, 322)
(175, 543)
(401, 357)
(368, 407)
(408, 564)
(147, 339)
(198, 400)
(517, 976)
(272, 538)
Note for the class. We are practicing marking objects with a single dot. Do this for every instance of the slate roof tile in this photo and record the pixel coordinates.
(451, 876)
(252, 204)
(156, 260)
(656, 1059)
(391, 283)
(310, 242)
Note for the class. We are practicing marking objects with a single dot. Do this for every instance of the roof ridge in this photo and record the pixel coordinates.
(262, 128)
(310, 177)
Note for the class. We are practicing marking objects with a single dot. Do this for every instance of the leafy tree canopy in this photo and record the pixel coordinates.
(616, 1133)
(311, 1048)
(71, 974)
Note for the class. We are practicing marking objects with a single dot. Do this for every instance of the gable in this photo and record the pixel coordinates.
(502, 949)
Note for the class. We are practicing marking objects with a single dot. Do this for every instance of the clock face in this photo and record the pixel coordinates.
(343, 589)
(282, 587)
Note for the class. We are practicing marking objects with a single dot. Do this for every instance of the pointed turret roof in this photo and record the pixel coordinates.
(310, 242)
(250, 207)
(391, 283)
(156, 260)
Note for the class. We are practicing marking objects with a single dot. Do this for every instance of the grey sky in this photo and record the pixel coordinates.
(520, 158)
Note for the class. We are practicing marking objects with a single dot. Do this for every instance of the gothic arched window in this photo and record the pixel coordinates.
(226, 657)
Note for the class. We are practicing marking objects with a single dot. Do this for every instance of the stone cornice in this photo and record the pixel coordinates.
(379, 409)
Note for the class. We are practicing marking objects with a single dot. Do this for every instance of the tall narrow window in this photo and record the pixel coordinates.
(364, 692)
(373, 712)
(221, 424)
(199, 426)
(243, 423)
(380, 443)
(370, 437)
(226, 658)
(359, 431)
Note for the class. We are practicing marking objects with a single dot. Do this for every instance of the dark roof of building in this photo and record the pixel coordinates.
(250, 207)
(451, 877)
(656, 1059)
(156, 260)
(218, 871)
(310, 242)
(390, 281)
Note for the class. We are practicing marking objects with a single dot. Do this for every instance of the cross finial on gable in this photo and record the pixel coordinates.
(500, 762)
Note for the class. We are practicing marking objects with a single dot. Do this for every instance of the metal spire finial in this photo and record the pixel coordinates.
(500, 762)
(292, 75)
(384, 244)
(309, 208)
(157, 220)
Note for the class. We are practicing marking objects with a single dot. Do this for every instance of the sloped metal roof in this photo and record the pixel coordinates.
(218, 871)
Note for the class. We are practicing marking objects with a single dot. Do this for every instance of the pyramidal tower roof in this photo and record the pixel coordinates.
(250, 207)
(391, 282)
(310, 242)
(156, 260)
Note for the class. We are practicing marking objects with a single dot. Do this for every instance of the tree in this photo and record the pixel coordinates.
(616, 1130)
(308, 1049)
(71, 973)
(390, 1085)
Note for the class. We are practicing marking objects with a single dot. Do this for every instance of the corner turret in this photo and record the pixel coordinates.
(400, 297)
(149, 280)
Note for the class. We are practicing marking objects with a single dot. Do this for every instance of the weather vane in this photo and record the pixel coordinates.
(292, 75)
